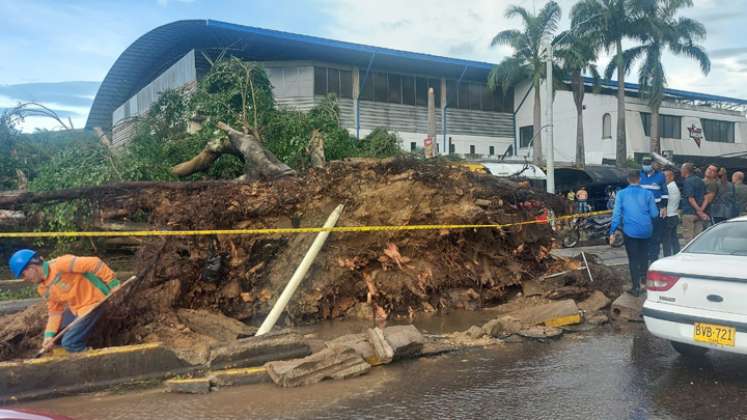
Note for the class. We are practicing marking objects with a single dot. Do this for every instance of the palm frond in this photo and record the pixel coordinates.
(548, 18)
(514, 11)
(698, 53)
(507, 37)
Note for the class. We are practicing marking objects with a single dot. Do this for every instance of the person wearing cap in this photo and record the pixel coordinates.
(652, 179)
(72, 287)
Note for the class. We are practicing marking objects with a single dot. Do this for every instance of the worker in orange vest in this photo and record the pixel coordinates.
(72, 287)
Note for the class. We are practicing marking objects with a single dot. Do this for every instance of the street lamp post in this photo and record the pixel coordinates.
(549, 124)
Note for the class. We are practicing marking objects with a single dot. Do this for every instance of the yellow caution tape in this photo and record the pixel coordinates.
(275, 231)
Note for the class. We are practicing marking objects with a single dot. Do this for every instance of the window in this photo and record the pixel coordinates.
(328, 80)
(451, 94)
(380, 87)
(471, 149)
(333, 81)
(413, 146)
(718, 131)
(421, 92)
(395, 89)
(670, 126)
(408, 90)
(452, 149)
(346, 84)
(607, 126)
(320, 80)
(525, 135)
(492, 150)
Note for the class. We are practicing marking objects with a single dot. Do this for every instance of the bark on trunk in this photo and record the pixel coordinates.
(654, 131)
(203, 160)
(578, 99)
(621, 155)
(316, 149)
(258, 160)
(537, 143)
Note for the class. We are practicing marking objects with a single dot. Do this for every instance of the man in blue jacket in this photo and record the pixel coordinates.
(653, 179)
(635, 210)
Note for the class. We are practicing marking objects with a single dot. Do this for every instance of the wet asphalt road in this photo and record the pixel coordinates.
(606, 374)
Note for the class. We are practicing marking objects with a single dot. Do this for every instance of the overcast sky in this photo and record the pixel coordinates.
(78, 40)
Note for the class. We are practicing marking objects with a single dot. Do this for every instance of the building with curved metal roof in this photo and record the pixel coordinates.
(381, 87)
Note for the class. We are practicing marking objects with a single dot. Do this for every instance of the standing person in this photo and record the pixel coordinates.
(713, 189)
(724, 204)
(740, 192)
(581, 200)
(635, 210)
(670, 243)
(571, 197)
(72, 287)
(653, 179)
(692, 203)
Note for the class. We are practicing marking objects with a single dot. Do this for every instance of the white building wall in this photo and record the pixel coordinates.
(598, 148)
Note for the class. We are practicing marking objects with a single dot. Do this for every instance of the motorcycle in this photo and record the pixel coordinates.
(590, 229)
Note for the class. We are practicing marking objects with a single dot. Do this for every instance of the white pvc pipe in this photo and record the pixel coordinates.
(299, 274)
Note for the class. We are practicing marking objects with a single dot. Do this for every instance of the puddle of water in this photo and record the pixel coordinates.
(603, 374)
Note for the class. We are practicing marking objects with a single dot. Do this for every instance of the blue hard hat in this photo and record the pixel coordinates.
(20, 260)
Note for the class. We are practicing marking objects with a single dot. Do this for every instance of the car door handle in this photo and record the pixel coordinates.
(715, 298)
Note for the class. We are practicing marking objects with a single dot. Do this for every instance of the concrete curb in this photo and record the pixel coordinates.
(89, 371)
(132, 365)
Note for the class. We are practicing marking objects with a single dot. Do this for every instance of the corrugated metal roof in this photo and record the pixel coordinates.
(673, 93)
(158, 49)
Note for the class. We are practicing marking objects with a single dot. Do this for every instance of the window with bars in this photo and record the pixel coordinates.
(670, 126)
(718, 131)
(329, 80)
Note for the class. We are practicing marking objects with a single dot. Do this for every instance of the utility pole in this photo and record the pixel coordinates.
(548, 124)
(429, 146)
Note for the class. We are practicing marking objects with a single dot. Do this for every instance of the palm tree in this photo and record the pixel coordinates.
(664, 31)
(609, 22)
(527, 61)
(577, 55)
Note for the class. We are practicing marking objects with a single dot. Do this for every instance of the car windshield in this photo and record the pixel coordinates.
(728, 238)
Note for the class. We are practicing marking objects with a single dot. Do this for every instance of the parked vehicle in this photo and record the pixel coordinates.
(696, 299)
(594, 228)
(26, 414)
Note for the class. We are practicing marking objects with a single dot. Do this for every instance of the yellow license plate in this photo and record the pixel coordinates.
(715, 334)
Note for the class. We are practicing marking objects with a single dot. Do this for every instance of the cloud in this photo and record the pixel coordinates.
(727, 52)
(69, 100)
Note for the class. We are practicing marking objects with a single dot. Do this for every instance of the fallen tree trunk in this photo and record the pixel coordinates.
(258, 161)
(12, 200)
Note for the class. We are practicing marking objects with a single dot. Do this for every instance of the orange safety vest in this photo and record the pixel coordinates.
(78, 283)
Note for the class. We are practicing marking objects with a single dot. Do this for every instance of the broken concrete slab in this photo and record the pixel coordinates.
(541, 331)
(474, 332)
(188, 386)
(548, 313)
(339, 363)
(243, 376)
(88, 371)
(595, 302)
(383, 351)
(503, 326)
(256, 351)
(627, 308)
(597, 319)
(406, 341)
(357, 342)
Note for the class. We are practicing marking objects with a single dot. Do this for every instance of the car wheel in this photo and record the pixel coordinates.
(570, 238)
(688, 350)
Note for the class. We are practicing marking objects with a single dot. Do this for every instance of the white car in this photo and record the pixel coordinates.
(697, 299)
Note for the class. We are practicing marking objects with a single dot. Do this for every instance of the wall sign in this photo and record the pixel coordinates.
(696, 133)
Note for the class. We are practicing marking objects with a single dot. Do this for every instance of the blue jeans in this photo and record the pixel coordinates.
(74, 340)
